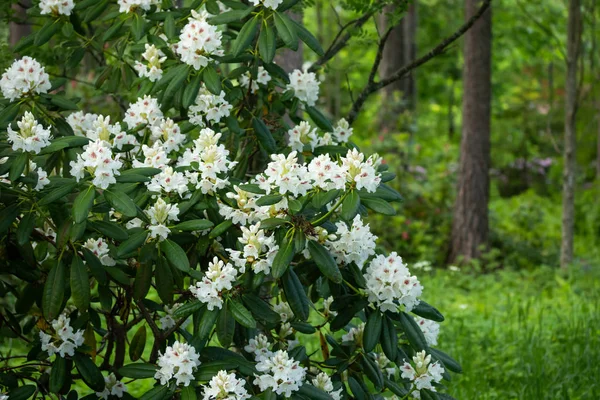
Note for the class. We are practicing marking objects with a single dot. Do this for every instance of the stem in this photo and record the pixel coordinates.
(335, 207)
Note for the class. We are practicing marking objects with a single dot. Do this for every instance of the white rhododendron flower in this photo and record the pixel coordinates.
(260, 347)
(259, 250)
(326, 174)
(282, 374)
(360, 172)
(155, 156)
(342, 131)
(24, 77)
(82, 122)
(42, 176)
(305, 86)
(98, 160)
(65, 340)
(154, 57)
(355, 335)
(31, 137)
(56, 7)
(302, 135)
(178, 361)
(262, 78)
(224, 386)
(424, 373)
(99, 248)
(145, 111)
(160, 215)
(169, 181)
(390, 284)
(113, 387)
(126, 6)
(385, 365)
(169, 133)
(327, 307)
(323, 382)
(284, 310)
(430, 329)
(353, 244)
(218, 277)
(286, 174)
(209, 108)
(273, 4)
(199, 40)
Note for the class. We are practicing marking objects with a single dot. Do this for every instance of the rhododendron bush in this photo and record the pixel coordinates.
(209, 241)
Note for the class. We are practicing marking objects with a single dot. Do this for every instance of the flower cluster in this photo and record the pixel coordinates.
(98, 160)
(145, 111)
(323, 382)
(305, 86)
(154, 58)
(224, 386)
(31, 136)
(23, 78)
(360, 172)
(112, 387)
(302, 135)
(198, 40)
(424, 374)
(81, 122)
(56, 7)
(262, 77)
(178, 361)
(282, 374)
(126, 6)
(353, 244)
(218, 277)
(169, 133)
(390, 284)
(273, 4)
(100, 249)
(65, 340)
(259, 250)
(209, 108)
(160, 215)
(259, 346)
(430, 329)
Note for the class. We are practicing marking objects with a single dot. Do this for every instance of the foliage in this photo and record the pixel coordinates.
(191, 207)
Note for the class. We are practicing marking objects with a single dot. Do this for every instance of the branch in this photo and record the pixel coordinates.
(379, 55)
(372, 87)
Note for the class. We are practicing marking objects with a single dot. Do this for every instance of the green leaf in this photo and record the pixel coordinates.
(212, 80)
(83, 204)
(65, 142)
(230, 16)
(174, 85)
(138, 27)
(357, 389)
(308, 38)
(264, 136)
(22, 392)
(175, 254)
(121, 202)
(271, 223)
(372, 371)
(320, 199)
(241, 314)
(372, 331)
(57, 193)
(63, 103)
(427, 311)
(188, 309)
(350, 206)
(395, 388)
(18, 166)
(46, 32)
(269, 200)
(132, 178)
(225, 326)
(389, 338)
(286, 30)
(113, 30)
(54, 291)
(220, 229)
(311, 392)
(90, 373)
(109, 229)
(194, 225)
(156, 393)
(80, 284)
(319, 119)
(252, 188)
(163, 280)
(58, 374)
(449, 362)
(379, 206)
(413, 332)
(245, 37)
(191, 91)
(143, 280)
(327, 265)
(261, 309)
(138, 343)
(303, 327)
(25, 227)
(295, 294)
(138, 370)
(188, 393)
(209, 317)
(132, 244)
(267, 43)
(7, 216)
(8, 114)
(146, 171)
(346, 314)
(284, 257)
(170, 28)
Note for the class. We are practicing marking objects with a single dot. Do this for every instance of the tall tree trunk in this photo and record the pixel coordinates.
(470, 227)
(568, 217)
(399, 50)
(19, 27)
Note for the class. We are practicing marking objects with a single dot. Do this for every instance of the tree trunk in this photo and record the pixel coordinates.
(568, 217)
(399, 50)
(470, 224)
(19, 27)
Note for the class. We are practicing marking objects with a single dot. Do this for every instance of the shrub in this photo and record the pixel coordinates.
(197, 245)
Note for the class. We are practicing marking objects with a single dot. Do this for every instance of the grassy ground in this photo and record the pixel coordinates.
(533, 335)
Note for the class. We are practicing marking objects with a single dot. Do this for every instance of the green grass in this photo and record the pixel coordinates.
(528, 335)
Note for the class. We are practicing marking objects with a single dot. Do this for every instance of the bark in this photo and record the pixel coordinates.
(400, 49)
(18, 28)
(570, 145)
(470, 227)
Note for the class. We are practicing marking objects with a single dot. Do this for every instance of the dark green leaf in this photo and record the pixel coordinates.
(261, 309)
(138, 370)
(194, 225)
(138, 343)
(395, 388)
(389, 338)
(80, 284)
(286, 30)
(65, 142)
(90, 373)
(191, 91)
(83, 204)
(212, 80)
(225, 326)
(109, 229)
(57, 193)
(188, 393)
(271, 223)
(132, 244)
(241, 314)
(308, 38)
(311, 392)
(379, 206)
(319, 119)
(22, 392)
(46, 32)
(283, 258)
(350, 205)
(121, 202)
(209, 317)
(170, 28)
(427, 311)
(18, 166)
(265, 138)
(230, 16)
(327, 265)
(156, 393)
(268, 200)
(174, 85)
(245, 37)
(138, 27)
(372, 371)
(321, 198)
(163, 280)
(449, 362)
(63, 103)
(413, 332)
(188, 309)
(267, 43)
(25, 227)
(295, 294)
(372, 331)
(175, 254)
(54, 291)
(143, 280)
(58, 374)
(220, 229)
